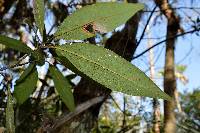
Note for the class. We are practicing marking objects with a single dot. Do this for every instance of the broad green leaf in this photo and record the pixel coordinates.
(25, 73)
(10, 124)
(63, 87)
(101, 17)
(110, 70)
(24, 89)
(38, 11)
(14, 44)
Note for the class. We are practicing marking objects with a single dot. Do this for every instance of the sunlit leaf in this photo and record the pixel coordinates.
(10, 124)
(38, 11)
(110, 70)
(24, 89)
(100, 17)
(14, 44)
(63, 88)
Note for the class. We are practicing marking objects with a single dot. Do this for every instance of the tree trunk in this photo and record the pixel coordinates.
(173, 26)
(156, 104)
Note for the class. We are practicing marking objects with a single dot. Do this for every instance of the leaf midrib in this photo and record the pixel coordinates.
(96, 63)
(73, 53)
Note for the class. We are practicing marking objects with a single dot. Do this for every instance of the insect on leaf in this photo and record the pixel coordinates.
(94, 27)
(110, 70)
(99, 17)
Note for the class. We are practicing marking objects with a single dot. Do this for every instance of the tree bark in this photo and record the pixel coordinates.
(173, 26)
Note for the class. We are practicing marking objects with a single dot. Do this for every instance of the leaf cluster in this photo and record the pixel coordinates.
(90, 61)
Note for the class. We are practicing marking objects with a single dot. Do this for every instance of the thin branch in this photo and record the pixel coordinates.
(178, 35)
(115, 103)
(36, 35)
(175, 8)
(79, 109)
(156, 60)
(142, 35)
(124, 115)
(16, 64)
(153, 38)
(50, 30)
(188, 129)
(2, 74)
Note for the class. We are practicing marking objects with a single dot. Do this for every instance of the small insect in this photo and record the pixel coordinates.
(94, 28)
(89, 28)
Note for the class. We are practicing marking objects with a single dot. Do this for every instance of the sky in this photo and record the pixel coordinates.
(187, 50)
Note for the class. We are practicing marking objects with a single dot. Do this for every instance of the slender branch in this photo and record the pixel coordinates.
(110, 96)
(124, 115)
(188, 129)
(79, 109)
(142, 35)
(115, 103)
(175, 8)
(16, 64)
(13, 66)
(50, 30)
(178, 35)
(2, 75)
(36, 35)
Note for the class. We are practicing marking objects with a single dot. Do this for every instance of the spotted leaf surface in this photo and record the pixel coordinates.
(63, 88)
(100, 17)
(110, 70)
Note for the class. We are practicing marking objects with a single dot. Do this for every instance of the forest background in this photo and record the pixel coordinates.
(144, 41)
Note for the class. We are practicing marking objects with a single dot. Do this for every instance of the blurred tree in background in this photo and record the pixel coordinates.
(190, 120)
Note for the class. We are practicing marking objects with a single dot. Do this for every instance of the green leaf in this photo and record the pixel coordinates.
(10, 124)
(14, 44)
(38, 11)
(110, 70)
(25, 73)
(101, 17)
(63, 87)
(24, 89)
